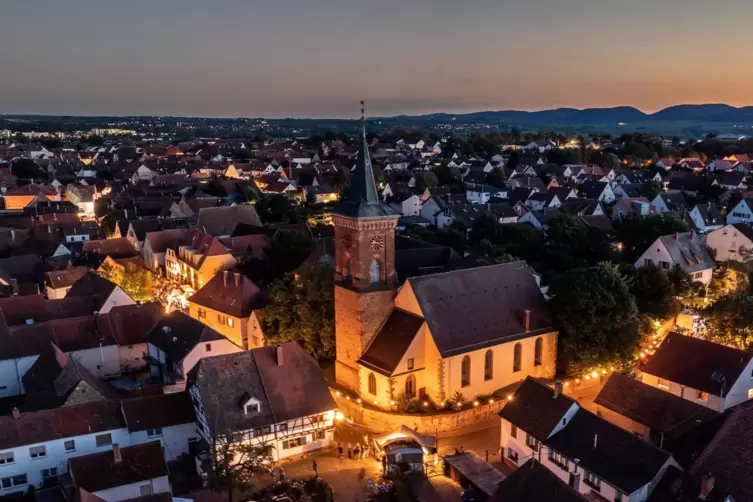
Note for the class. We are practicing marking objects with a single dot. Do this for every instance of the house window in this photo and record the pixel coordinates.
(488, 365)
(532, 442)
(69, 446)
(557, 459)
(6, 458)
(208, 347)
(517, 357)
(513, 431)
(49, 473)
(251, 408)
(372, 384)
(465, 372)
(294, 443)
(647, 262)
(750, 393)
(320, 435)
(37, 452)
(703, 396)
(230, 321)
(592, 481)
(697, 275)
(103, 440)
(410, 363)
(512, 455)
(145, 489)
(662, 384)
(618, 496)
(538, 349)
(150, 433)
(410, 387)
(12, 481)
(374, 272)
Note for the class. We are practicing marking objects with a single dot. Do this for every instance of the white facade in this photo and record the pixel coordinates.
(175, 439)
(741, 213)
(117, 297)
(56, 455)
(729, 243)
(12, 372)
(657, 254)
(181, 368)
(100, 361)
(700, 224)
(134, 490)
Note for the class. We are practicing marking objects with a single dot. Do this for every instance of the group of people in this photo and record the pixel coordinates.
(356, 451)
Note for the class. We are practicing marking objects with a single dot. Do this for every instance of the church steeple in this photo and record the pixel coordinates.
(362, 199)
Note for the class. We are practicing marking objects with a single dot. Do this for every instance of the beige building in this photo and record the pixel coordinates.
(197, 259)
(228, 304)
(470, 331)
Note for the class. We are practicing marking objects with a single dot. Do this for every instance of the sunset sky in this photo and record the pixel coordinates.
(318, 58)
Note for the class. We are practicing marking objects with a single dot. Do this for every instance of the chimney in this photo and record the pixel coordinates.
(557, 389)
(14, 286)
(676, 235)
(278, 350)
(237, 279)
(17, 416)
(125, 212)
(116, 455)
(13, 234)
(596, 440)
(707, 484)
(527, 320)
(224, 278)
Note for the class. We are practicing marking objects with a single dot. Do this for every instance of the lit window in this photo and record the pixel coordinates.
(703, 396)
(750, 393)
(230, 321)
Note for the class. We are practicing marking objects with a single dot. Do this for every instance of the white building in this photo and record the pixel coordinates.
(742, 212)
(731, 242)
(274, 395)
(684, 249)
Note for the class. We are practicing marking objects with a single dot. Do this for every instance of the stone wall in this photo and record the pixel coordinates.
(378, 421)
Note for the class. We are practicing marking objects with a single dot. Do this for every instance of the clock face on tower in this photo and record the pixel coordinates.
(377, 242)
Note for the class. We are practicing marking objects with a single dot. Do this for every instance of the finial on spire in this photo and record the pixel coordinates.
(363, 112)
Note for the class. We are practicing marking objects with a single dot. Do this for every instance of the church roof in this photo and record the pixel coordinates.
(362, 200)
(393, 339)
(481, 307)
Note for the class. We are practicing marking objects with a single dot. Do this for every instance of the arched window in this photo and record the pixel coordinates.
(517, 357)
(410, 387)
(375, 273)
(538, 350)
(372, 384)
(488, 365)
(465, 370)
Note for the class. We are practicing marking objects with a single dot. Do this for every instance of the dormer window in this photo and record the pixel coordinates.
(251, 408)
(249, 405)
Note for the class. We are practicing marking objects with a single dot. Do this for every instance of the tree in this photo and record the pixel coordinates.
(496, 178)
(278, 208)
(137, 282)
(426, 180)
(681, 281)
(654, 292)
(237, 460)
(651, 189)
(729, 321)
(637, 234)
(26, 168)
(302, 309)
(610, 161)
(572, 244)
(215, 188)
(597, 318)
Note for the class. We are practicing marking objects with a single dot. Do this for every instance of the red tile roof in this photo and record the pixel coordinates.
(100, 471)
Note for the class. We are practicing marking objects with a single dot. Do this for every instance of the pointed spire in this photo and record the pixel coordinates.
(363, 199)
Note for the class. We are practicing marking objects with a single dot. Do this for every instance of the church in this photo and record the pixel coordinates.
(471, 331)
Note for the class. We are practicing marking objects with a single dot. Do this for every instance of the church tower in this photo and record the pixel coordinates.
(365, 279)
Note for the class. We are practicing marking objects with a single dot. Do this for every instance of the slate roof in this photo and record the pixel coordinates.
(362, 199)
(698, 364)
(99, 471)
(230, 293)
(163, 410)
(176, 334)
(533, 482)
(222, 220)
(611, 453)
(393, 339)
(659, 410)
(480, 307)
(534, 409)
(226, 382)
(744, 228)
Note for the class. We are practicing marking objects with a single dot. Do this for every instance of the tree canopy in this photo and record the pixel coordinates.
(597, 317)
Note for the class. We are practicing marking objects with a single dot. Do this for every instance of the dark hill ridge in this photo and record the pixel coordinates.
(707, 113)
